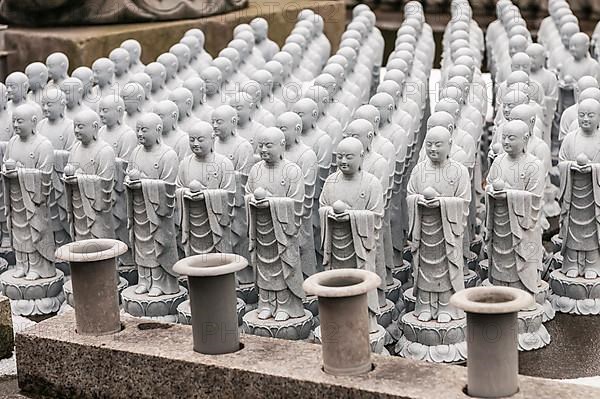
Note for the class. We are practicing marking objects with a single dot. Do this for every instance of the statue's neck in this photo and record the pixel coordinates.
(516, 157)
(113, 126)
(55, 120)
(273, 163)
(350, 176)
(244, 122)
(167, 130)
(210, 157)
(27, 138)
(151, 147)
(589, 132)
(227, 137)
(440, 164)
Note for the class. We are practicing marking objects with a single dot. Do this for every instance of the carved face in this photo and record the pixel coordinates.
(307, 115)
(23, 124)
(588, 119)
(348, 160)
(513, 142)
(222, 125)
(201, 142)
(243, 109)
(507, 108)
(578, 49)
(56, 69)
(85, 131)
(147, 133)
(437, 147)
(15, 89)
(121, 64)
(53, 108)
(269, 147)
(108, 112)
(103, 75)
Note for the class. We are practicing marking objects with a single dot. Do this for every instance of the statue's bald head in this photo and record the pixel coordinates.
(362, 130)
(441, 118)
(368, 112)
(592, 92)
(290, 124)
(134, 48)
(589, 105)
(86, 124)
(201, 138)
(58, 65)
(449, 105)
(525, 113)
(168, 112)
(149, 129)
(350, 145)
(515, 97)
(438, 142)
(24, 120)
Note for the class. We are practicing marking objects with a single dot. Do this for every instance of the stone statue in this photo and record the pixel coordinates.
(336, 109)
(123, 141)
(547, 80)
(247, 126)
(89, 180)
(351, 209)
(158, 74)
(579, 167)
(438, 199)
(27, 171)
(266, 46)
(204, 59)
(254, 90)
(196, 62)
(213, 78)
(17, 85)
(172, 135)
(171, 64)
(513, 202)
(74, 91)
(197, 87)
(184, 56)
(302, 155)
(568, 118)
(59, 131)
(205, 194)
(37, 73)
(144, 80)
(240, 153)
(184, 99)
(121, 61)
(268, 101)
(104, 78)
(6, 133)
(150, 184)
(325, 121)
(86, 76)
(134, 49)
(236, 53)
(277, 72)
(580, 63)
(58, 67)
(89, 12)
(560, 53)
(274, 204)
(246, 33)
(228, 85)
(134, 97)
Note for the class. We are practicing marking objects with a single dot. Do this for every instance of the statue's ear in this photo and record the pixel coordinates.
(96, 125)
(377, 119)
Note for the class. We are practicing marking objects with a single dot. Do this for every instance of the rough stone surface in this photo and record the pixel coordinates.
(83, 45)
(146, 360)
(6, 329)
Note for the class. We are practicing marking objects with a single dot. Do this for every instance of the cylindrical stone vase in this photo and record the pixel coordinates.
(95, 280)
(344, 318)
(492, 331)
(213, 300)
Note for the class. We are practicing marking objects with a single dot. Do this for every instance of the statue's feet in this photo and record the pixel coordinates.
(155, 292)
(590, 274)
(264, 314)
(282, 316)
(141, 289)
(32, 276)
(444, 318)
(425, 316)
(19, 274)
(572, 274)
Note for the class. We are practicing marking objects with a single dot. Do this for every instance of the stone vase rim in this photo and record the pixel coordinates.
(210, 265)
(316, 284)
(91, 250)
(491, 300)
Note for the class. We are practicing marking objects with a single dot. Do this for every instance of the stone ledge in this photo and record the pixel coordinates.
(151, 360)
(83, 45)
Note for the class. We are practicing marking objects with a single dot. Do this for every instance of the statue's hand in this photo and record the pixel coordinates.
(72, 179)
(342, 217)
(11, 174)
(193, 195)
(263, 203)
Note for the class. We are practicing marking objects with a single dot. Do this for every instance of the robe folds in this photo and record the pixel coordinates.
(352, 243)
(273, 231)
(27, 198)
(206, 222)
(90, 199)
(150, 208)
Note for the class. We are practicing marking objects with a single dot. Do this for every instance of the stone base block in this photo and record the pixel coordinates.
(532, 333)
(247, 293)
(162, 308)
(68, 290)
(482, 269)
(184, 312)
(64, 267)
(311, 303)
(33, 298)
(471, 279)
(578, 295)
(476, 246)
(541, 298)
(556, 243)
(56, 362)
(7, 342)
(409, 300)
(377, 339)
(293, 328)
(394, 291)
(129, 273)
(432, 341)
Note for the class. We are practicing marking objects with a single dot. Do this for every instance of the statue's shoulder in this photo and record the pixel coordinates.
(220, 159)
(333, 178)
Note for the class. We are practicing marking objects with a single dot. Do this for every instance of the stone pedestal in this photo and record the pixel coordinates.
(482, 269)
(293, 328)
(432, 341)
(471, 279)
(4, 265)
(184, 312)
(388, 318)
(578, 295)
(129, 273)
(542, 298)
(6, 329)
(33, 298)
(394, 291)
(404, 274)
(532, 333)
(161, 308)
(311, 303)
(68, 290)
(249, 294)
(376, 339)
(8, 255)
(83, 45)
